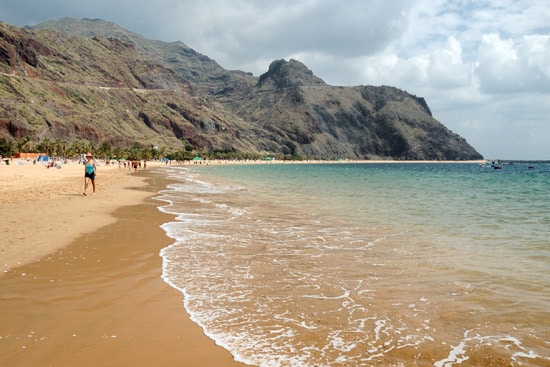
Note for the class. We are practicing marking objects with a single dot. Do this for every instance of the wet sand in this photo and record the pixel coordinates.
(80, 275)
(99, 301)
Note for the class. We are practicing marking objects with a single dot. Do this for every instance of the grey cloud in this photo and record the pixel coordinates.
(277, 29)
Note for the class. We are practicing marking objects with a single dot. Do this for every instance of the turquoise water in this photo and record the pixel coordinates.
(364, 264)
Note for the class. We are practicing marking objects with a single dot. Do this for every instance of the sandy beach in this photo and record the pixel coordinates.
(43, 209)
(80, 275)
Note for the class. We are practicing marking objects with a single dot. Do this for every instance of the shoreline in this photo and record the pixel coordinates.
(92, 293)
(195, 163)
(31, 193)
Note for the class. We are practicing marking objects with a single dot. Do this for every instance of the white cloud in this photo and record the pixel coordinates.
(441, 68)
(506, 66)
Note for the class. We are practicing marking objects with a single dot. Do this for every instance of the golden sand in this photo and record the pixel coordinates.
(43, 209)
(80, 275)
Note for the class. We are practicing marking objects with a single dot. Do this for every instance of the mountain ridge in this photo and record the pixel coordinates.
(167, 93)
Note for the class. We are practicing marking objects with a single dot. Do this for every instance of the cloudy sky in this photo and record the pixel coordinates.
(482, 65)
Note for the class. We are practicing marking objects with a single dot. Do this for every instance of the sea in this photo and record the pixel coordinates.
(364, 264)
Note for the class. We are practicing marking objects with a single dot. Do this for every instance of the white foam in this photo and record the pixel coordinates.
(261, 282)
(456, 356)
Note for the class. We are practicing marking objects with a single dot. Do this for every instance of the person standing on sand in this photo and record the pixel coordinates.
(89, 173)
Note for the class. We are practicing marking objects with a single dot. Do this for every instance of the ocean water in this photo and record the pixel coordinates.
(364, 264)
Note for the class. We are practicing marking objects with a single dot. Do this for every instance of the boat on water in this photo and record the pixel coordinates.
(495, 164)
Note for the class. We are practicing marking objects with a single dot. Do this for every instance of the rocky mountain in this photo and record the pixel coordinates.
(92, 80)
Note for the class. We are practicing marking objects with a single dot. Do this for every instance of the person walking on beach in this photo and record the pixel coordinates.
(89, 173)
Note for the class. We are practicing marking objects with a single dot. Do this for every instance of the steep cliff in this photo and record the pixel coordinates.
(92, 80)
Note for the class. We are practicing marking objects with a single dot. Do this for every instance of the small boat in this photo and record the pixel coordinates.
(491, 164)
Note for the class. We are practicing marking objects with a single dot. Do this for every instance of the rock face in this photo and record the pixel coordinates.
(102, 83)
(305, 116)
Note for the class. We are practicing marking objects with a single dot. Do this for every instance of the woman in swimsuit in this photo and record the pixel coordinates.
(89, 173)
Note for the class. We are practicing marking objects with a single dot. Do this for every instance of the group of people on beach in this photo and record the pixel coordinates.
(90, 169)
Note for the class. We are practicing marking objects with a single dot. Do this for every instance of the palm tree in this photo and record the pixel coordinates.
(45, 146)
(7, 148)
(31, 147)
(119, 153)
(146, 154)
(78, 147)
(105, 150)
(60, 148)
(159, 152)
(21, 143)
(90, 147)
